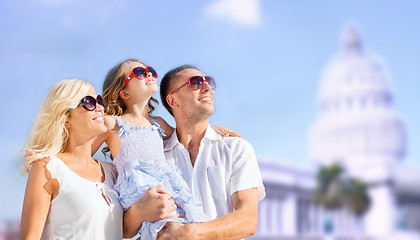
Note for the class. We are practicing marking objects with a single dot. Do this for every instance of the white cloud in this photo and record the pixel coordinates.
(242, 12)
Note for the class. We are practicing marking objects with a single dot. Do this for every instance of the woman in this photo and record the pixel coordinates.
(69, 195)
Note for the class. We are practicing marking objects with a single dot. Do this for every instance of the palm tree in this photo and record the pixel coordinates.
(356, 196)
(328, 192)
(336, 189)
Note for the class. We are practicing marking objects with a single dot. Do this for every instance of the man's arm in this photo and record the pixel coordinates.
(238, 224)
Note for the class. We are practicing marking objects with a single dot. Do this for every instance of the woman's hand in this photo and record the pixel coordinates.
(225, 132)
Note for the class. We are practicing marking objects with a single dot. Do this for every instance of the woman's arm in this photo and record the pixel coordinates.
(225, 132)
(40, 190)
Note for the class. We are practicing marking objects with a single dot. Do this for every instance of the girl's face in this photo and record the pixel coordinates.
(82, 122)
(139, 89)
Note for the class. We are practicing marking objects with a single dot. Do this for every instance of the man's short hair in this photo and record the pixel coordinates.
(166, 83)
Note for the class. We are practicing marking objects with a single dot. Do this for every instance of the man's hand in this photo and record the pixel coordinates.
(238, 224)
(176, 230)
(29, 153)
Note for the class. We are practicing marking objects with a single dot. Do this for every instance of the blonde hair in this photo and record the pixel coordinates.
(114, 80)
(48, 135)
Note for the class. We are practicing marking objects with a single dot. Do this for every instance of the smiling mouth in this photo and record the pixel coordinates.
(152, 81)
(98, 119)
(205, 99)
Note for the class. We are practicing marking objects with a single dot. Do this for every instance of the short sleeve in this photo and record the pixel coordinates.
(245, 170)
(110, 173)
(53, 166)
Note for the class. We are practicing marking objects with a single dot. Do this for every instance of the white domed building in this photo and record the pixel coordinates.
(357, 128)
(356, 124)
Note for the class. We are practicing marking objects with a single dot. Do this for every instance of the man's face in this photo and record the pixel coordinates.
(192, 104)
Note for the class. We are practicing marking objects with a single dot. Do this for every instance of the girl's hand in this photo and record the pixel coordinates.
(156, 204)
(225, 132)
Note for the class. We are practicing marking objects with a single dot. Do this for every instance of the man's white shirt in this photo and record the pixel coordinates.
(224, 165)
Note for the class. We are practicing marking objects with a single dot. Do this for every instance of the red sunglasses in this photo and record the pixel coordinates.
(140, 73)
(196, 82)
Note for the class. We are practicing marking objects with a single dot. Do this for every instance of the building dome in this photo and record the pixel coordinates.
(356, 123)
(353, 75)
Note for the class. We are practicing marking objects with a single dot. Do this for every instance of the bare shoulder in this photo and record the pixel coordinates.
(168, 129)
(111, 124)
(40, 163)
(39, 168)
(163, 124)
(160, 120)
(41, 180)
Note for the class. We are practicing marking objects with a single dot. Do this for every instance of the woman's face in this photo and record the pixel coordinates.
(82, 122)
(142, 88)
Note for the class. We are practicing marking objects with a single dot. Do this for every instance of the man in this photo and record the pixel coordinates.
(222, 172)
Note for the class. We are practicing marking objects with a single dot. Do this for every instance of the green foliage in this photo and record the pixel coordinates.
(336, 189)
(356, 196)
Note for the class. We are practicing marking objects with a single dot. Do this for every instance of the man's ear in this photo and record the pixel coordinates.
(171, 101)
(124, 95)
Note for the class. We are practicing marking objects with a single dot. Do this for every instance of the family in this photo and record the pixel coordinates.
(194, 181)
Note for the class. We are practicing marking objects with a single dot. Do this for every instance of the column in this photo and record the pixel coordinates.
(289, 215)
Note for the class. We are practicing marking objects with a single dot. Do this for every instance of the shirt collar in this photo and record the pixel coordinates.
(171, 142)
(210, 134)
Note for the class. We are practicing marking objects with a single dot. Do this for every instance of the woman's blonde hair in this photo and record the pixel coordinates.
(114, 80)
(48, 135)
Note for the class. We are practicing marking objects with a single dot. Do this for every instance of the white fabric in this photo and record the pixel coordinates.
(80, 211)
(224, 165)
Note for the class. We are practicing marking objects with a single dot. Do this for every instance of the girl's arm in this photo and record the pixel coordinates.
(224, 131)
(40, 190)
(97, 143)
(99, 140)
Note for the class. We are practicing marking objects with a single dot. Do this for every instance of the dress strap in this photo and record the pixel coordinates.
(124, 128)
(119, 121)
(157, 127)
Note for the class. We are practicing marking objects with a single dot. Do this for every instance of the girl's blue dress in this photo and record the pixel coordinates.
(141, 164)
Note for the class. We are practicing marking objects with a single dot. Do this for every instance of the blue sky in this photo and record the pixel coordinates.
(267, 57)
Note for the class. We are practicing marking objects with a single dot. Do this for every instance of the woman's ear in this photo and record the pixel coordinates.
(67, 124)
(124, 95)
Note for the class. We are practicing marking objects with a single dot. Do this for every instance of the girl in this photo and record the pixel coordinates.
(69, 195)
(134, 138)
